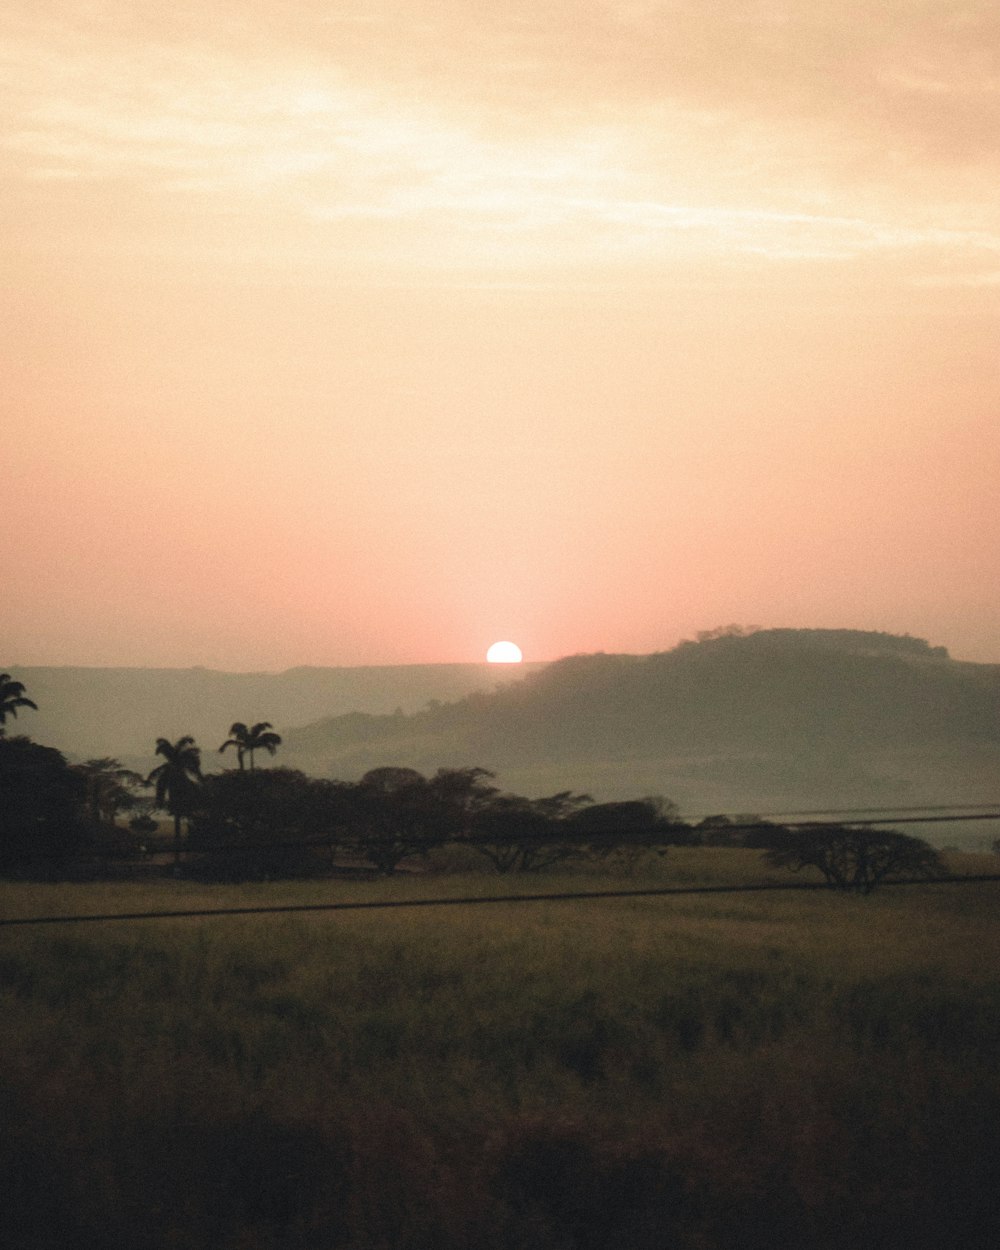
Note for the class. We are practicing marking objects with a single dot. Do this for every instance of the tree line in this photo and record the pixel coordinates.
(250, 823)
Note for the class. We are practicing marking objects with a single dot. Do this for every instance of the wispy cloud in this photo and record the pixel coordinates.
(668, 162)
(986, 280)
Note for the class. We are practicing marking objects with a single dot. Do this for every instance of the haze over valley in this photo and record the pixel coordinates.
(738, 721)
(122, 711)
(774, 718)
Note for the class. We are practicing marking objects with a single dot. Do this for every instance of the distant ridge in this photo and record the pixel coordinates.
(90, 712)
(735, 721)
(770, 718)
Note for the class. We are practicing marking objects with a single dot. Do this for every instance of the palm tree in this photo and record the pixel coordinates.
(175, 780)
(11, 698)
(246, 741)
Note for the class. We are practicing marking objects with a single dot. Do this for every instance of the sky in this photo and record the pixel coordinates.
(374, 332)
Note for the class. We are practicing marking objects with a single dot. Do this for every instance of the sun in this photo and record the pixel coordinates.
(504, 653)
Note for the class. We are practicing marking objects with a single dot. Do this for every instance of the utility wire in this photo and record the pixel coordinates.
(857, 811)
(470, 900)
(880, 820)
(556, 836)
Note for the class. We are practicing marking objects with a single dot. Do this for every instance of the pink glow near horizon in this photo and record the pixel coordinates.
(375, 334)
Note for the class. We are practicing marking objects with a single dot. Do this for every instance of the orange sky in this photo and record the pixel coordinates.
(347, 333)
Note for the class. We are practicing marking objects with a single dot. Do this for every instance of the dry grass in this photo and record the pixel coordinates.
(700, 1071)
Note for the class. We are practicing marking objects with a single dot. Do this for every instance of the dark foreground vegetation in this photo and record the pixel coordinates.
(57, 822)
(808, 1071)
(816, 1071)
(61, 821)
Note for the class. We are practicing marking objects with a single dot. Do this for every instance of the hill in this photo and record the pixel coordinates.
(771, 720)
(91, 712)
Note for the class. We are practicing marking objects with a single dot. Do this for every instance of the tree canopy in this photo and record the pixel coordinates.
(41, 799)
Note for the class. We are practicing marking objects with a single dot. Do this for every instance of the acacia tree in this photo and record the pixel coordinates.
(110, 788)
(458, 796)
(856, 859)
(394, 813)
(620, 833)
(246, 740)
(518, 834)
(176, 781)
(11, 698)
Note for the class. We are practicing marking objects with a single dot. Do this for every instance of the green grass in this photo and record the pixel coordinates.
(706, 1072)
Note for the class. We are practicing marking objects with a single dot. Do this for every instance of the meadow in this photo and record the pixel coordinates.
(706, 1072)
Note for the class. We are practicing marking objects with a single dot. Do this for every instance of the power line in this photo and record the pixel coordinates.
(472, 900)
(555, 836)
(888, 820)
(856, 811)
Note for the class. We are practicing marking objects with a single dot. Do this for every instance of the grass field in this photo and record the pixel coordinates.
(702, 1072)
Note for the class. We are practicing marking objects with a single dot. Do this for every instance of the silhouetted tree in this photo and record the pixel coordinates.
(11, 698)
(459, 794)
(247, 740)
(621, 832)
(40, 802)
(742, 830)
(856, 859)
(142, 821)
(176, 781)
(110, 788)
(518, 834)
(277, 822)
(716, 830)
(506, 831)
(395, 813)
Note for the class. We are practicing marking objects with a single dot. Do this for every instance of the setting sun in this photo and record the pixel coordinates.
(504, 653)
(595, 321)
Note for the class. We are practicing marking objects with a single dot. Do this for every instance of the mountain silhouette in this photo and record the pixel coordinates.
(769, 719)
(90, 712)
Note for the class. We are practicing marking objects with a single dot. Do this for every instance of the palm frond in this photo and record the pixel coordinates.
(12, 697)
(11, 705)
